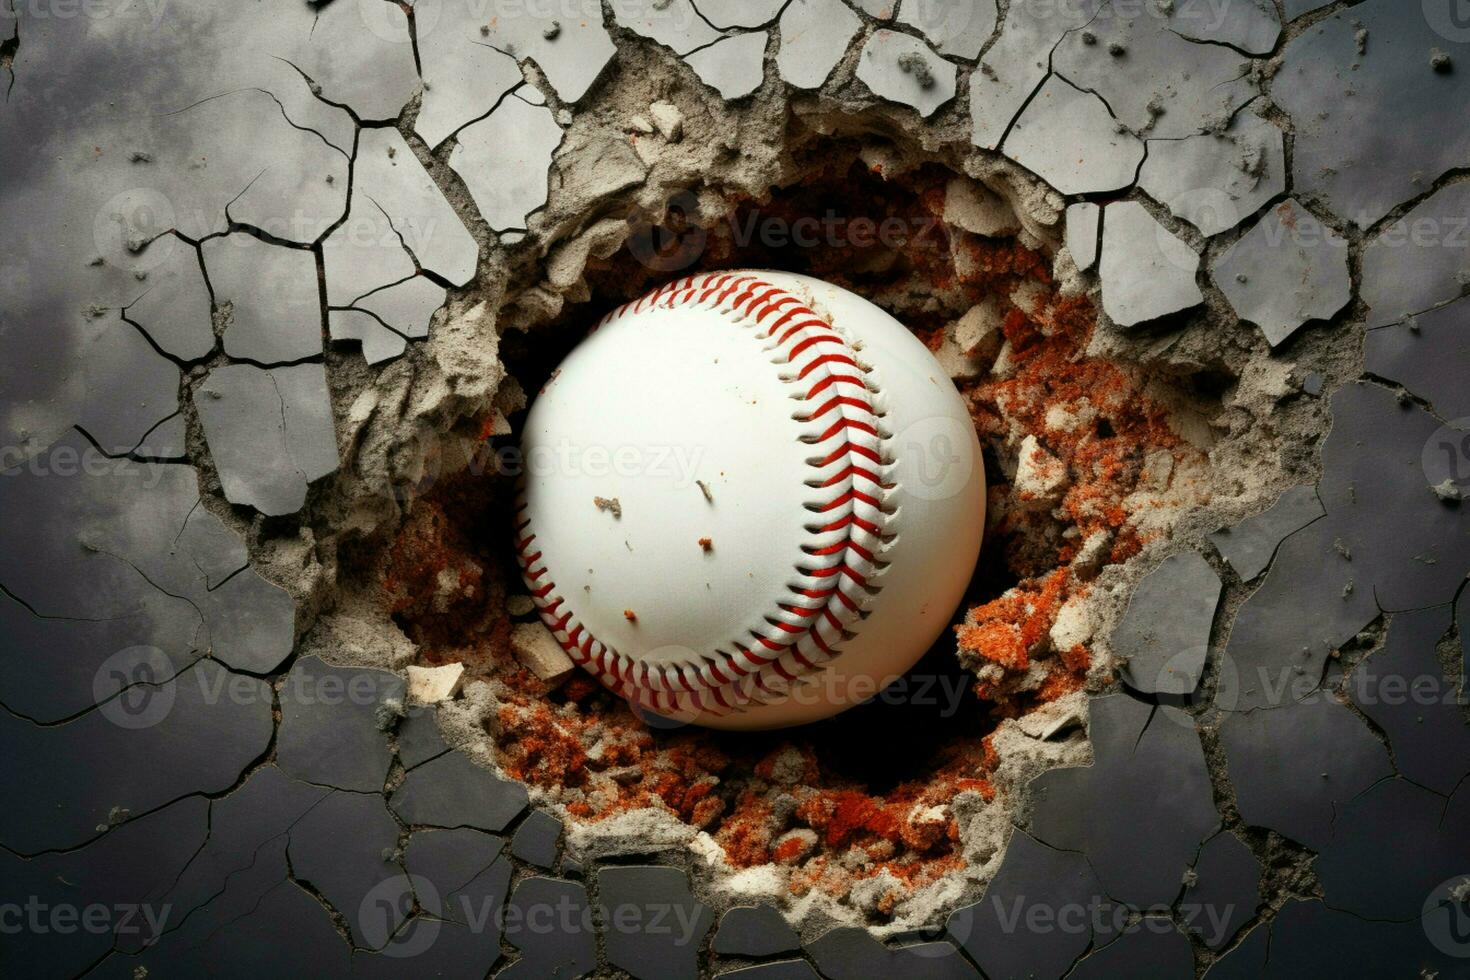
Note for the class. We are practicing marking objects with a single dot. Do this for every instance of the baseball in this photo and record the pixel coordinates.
(752, 499)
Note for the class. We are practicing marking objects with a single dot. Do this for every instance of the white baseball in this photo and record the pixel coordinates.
(752, 499)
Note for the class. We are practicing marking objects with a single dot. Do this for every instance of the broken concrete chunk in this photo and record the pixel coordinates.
(1069, 139)
(970, 206)
(901, 68)
(735, 66)
(1249, 545)
(538, 652)
(958, 28)
(668, 119)
(1147, 272)
(270, 432)
(504, 160)
(430, 685)
(1083, 224)
(978, 333)
(814, 36)
(1419, 261)
(282, 323)
(1216, 180)
(1164, 636)
(673, 23)
(1040, 476)
(1287, 270)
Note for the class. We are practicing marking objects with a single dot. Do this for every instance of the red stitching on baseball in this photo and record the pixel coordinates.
(804, 631)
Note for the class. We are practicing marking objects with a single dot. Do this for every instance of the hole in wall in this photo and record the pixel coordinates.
(866, 808)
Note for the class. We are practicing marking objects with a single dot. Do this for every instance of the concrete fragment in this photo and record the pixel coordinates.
(978, 332)
(968, 205)
(1040, 476)
(668, 119)
(539, 652)
(430, 685)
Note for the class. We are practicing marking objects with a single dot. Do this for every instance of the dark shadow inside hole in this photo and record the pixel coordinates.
(931, 715)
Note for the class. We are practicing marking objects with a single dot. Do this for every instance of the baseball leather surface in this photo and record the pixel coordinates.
(752, 499)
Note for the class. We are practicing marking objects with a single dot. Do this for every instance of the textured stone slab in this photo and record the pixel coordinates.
(139, 751)
(901, 68)
(1333, 758)
(1164, 634)
(1250, 545)
(1375, 127)
(1068, 138)
(568, 952)
(1153, 79)
(1147, 272)
(418, 737)
(1216, 180)
(852, 953)
(378, 342)
(957, 28)
(269, 431)
(536, 839)
(1252, 26)
(630, 899)
(675, 24)
(754, 930)
(268, 326)
(1391, 848)
(405, 307)
(814, 36)
(1017, 64)
(734, 66)
(398, 222)
(739, 13)
(1308, 938)
(464, 75)
(504, 160)
(1420, 261)
(173, 305)
(1225, 892)
(343, 848)
(131, 867)
(1014, 931)
(1152, 948)
(1141, 810)
(331, 724)
(1312, 601)
(247, 833)
(1287, 270)
(451, 791)
(1084, 234)
(1381, 463)
(129, 388)
(1425, 354)
(1405, 691)
(567, 41)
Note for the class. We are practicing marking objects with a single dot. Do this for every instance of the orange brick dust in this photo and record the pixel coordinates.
(770, 797)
